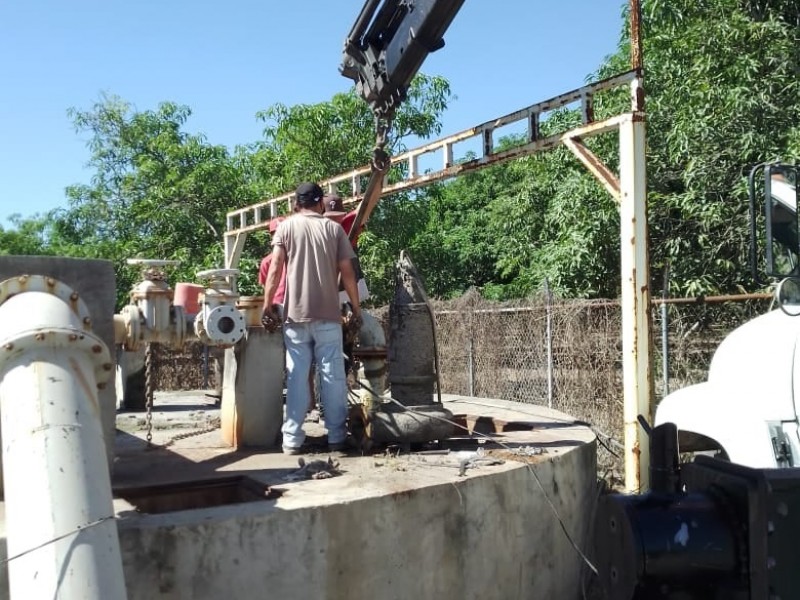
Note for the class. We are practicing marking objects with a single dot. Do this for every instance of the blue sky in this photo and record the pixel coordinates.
(228, 60)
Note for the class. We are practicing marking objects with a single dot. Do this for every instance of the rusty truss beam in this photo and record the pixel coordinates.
(256, 217)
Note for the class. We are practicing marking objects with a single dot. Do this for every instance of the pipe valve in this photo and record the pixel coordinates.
(151, 316)
(219, 323)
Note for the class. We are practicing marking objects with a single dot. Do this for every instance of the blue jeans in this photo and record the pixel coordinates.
(320, 341)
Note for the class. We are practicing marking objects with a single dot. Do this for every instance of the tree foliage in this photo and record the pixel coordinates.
(722, 94)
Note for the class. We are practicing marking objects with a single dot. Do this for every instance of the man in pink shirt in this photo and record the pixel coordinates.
(267, 260)
(334, 210)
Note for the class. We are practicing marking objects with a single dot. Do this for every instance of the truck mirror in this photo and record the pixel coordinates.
(774, 242)
(787, 295)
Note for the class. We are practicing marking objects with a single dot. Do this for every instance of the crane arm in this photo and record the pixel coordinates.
(385, 48)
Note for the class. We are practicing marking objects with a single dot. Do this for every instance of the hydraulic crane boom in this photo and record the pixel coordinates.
(385, 48)
(389, 42)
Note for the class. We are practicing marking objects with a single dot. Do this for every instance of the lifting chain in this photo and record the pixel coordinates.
(380, 163)
(148, 390)
(380, 158)
(189, 434)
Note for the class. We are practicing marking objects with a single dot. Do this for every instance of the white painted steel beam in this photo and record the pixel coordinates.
(595, 166)
(635, 299)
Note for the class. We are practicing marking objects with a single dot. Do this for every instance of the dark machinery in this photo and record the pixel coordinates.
(709, 529)
(388, 44)
(386, 47)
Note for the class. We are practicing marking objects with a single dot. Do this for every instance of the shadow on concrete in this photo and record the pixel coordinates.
(137, 463)
(173, 408)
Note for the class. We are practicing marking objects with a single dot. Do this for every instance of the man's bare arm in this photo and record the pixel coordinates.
(274, 275)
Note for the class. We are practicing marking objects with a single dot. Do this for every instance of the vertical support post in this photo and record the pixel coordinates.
(549, 341)
(665, 333)
(635, 294)
(636, 35)
(471, 356)
(230, 243)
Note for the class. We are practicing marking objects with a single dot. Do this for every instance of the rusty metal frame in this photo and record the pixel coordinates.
(628, 189)
(256, 216)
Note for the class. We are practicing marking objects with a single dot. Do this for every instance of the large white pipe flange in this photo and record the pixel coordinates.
(220, 326)
(65, 323)
(60, 529)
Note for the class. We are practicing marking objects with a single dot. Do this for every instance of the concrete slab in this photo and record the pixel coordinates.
(468, 520)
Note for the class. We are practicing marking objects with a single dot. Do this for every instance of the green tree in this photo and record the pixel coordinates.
(722, 96)
(26, 237)
(314, 142)
(157, 191)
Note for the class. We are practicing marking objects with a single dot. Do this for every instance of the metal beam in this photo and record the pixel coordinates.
(595, 166)
(635, 299)
(254, 217)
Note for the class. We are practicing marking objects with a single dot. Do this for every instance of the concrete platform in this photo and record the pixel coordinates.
(468, 520)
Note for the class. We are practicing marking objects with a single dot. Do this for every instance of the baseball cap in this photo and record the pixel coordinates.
(334, 207)
(309, 193)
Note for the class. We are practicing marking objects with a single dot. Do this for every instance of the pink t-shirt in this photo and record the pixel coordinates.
(347, 225)
(280, 292)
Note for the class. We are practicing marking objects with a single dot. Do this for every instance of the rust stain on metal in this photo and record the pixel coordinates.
(531, 113)
(636, 35)
(595, 165)
(73, 302)
(97, 348)
(87, 322)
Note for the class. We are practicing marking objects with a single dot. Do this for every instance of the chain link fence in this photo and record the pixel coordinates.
(567, 354)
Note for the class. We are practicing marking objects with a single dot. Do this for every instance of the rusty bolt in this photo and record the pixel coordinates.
(101, 386)
(73, 296)
(107, 366)
(9, 346)
(39, 337)
(87, 321)
(22, 278)
(50, 281)
(97, 348)
(72, 337)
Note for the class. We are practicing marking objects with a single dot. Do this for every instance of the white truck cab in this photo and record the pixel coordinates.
(747, 410)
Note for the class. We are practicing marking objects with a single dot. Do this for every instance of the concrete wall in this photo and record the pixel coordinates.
(489, 535)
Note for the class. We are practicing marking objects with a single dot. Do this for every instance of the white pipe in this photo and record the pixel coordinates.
(61, 534)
